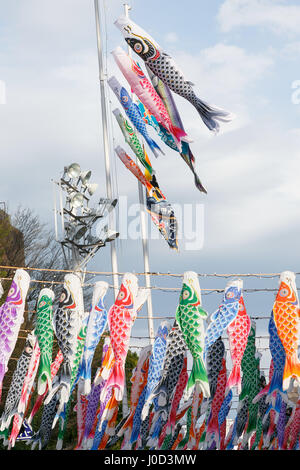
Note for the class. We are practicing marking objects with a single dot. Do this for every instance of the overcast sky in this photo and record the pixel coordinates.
(242, 55)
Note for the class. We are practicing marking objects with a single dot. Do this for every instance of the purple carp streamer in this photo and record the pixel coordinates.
(11, 318)
(179, 397)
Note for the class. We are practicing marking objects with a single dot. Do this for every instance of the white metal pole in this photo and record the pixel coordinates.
(61, 208)
(114, 262)
(144, 235)
(107, 169)
(55, 210)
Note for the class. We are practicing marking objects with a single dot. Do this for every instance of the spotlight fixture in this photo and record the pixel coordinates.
(80, 233)
(111, 235)
(77, 200)
(85, 176)
(73, 170)
(78, 242)
(107, 205)
(91, 188)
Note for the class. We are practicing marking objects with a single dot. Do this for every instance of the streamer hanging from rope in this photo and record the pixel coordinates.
(190, 317)
(97, 322)
(45, 335)
(164, 412)
(121, 317)
(67, 321)
(11, 318)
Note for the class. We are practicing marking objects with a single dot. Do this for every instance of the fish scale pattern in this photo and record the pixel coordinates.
(65, 324)
(175, 348)
(145, 91)
(155, 362)
(132, 140)
(287, 320)
(276, 348)
(168, 74)
(238, 331)
(15, 389)
(225, 314)
(44, 329)
(121, 333)
(45, 335)
(264, 419)
(44, 433)
(214, 358)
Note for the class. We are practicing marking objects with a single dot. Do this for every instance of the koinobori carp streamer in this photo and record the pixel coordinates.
(179, 398)
(164, 67)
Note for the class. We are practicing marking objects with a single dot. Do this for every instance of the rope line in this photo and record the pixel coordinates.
(205, 291)
(150, 273)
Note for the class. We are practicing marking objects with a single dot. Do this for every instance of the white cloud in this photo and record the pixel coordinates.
(280, 16)
(259, 168)
(171, 37)
(291, 51)
(224, 75)
(53, 118)
(233, 67)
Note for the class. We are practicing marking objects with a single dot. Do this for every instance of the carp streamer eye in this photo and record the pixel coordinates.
(241, 307)
(230, 295)
(121, 296)
(138, 48)
(124, 99)
(62, 297)
(284, 292)
(185, 294)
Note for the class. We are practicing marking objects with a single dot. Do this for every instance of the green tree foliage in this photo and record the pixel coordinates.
(11, 250)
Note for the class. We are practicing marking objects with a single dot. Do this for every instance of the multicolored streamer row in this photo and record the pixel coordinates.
(183, 385)
(149, 105)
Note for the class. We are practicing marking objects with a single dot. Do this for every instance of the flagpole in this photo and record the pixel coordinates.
(109, 194)
(107, 171)
(144, 235)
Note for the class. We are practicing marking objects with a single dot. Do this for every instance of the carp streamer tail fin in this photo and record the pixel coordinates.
(84, 375)
(61, 387)
(116, 381)
(199, 185)
(44, 375)
(260, 394)
(276, 382)
(291, 370)
(198, 374)
(178, 134)
(211, 115)
(234, 379)
(212, 433)
(65, 380)
(127, 425)
(154, 147)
